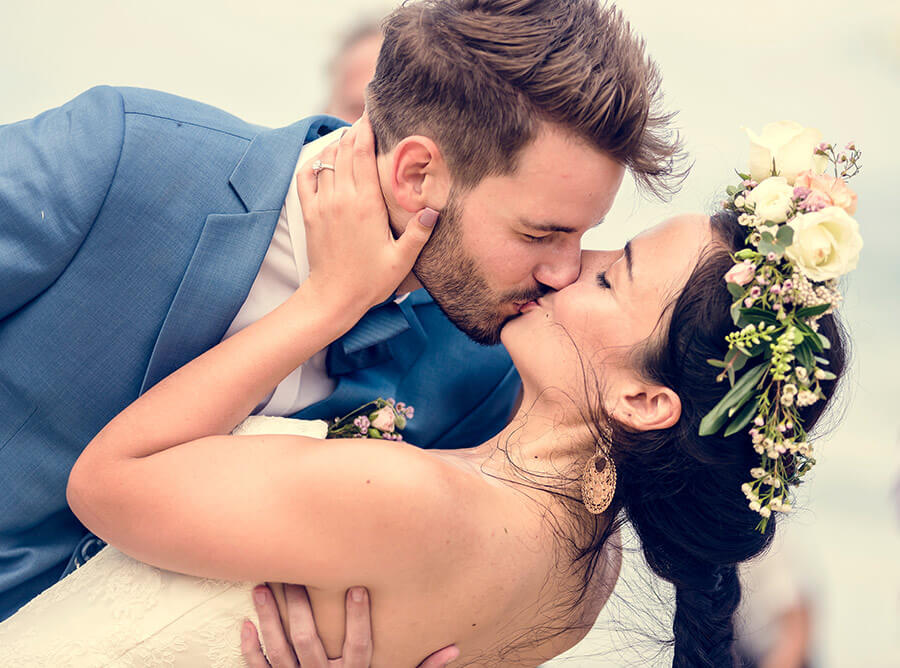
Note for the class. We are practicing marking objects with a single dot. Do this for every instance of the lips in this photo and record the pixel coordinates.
(524, 307)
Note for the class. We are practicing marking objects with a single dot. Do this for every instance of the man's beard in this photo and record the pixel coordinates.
(459, 286)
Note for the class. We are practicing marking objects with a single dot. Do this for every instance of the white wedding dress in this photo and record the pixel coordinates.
(116, 611)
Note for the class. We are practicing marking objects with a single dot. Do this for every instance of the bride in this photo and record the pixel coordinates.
(508, 549)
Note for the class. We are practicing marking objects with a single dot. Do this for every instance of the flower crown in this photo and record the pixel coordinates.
(801, 239)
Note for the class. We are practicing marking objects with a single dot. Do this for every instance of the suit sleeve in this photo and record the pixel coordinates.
(55, 171)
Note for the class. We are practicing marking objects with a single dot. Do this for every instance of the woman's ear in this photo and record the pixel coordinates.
(645, 407)
(419, 175)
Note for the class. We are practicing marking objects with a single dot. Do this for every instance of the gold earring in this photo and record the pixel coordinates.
(598, 483)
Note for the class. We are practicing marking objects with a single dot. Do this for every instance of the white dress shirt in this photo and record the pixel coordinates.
(284, 268)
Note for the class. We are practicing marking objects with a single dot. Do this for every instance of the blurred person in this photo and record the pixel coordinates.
(351, 69)
(775, 620)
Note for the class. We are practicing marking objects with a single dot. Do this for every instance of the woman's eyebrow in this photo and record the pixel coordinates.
(628, 261)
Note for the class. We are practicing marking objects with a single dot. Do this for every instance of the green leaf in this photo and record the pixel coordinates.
(736, 312)
(716, 363)
(737, 291)
(809, 335)
(731, 190)
(755, 314)
(744, 177)
(785, 236)
(826, 344)
(812, 311)
(745, 254)
(827, 375)
(767, 246)
(805, 355)
(736, 397)
(742, 419)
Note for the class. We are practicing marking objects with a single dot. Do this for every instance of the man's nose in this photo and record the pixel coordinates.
(561, 269)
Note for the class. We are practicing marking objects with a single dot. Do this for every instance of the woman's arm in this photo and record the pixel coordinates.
(165, 483)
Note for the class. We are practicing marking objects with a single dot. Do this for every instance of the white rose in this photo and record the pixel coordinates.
(787, 145)
(772, 199)
(826, 243)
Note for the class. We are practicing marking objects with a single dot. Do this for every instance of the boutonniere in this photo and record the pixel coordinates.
(381, 418)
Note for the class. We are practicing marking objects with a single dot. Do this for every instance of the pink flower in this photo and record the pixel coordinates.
(410, 412)
(362, 423)
(741, 273)
(383, 419)
(826, 189)
(815, 201)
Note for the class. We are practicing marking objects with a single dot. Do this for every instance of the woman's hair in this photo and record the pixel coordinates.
(682, 492)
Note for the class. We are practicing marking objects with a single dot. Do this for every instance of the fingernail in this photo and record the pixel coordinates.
(246, 630)
(260, 596)
(428, 217)
(357, 594)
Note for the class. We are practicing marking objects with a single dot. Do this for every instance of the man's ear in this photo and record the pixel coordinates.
(419, 175)
(646, 407)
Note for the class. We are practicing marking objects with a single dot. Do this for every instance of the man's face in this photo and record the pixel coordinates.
(511, 239)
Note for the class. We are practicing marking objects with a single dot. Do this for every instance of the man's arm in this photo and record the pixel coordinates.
(305, 645)
(55, 171)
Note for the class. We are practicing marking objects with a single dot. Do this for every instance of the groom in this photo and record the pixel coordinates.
(138, 229)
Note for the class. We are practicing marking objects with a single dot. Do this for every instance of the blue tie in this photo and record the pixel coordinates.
(367, 343)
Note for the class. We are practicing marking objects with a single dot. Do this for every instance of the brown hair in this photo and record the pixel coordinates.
(480, 76)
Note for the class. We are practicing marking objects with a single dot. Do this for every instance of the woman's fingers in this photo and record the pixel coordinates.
(343, 163)
(251, 649)
(325, 179)
(365, 168)
(304, 635)
(357, 650)
(277, 647)
(414, 238)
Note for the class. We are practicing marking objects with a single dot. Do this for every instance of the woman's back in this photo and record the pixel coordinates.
(501, 589)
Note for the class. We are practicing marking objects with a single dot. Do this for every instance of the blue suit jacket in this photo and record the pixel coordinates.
(132, 225)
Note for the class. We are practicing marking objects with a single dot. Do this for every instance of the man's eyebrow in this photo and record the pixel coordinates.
(553, 227)
(628, 260)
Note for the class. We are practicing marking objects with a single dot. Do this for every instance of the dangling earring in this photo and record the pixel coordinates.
(598, 482)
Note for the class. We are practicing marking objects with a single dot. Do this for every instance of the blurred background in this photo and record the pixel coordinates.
(834, 585)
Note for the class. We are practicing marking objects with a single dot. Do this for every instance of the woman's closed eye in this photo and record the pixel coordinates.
(602, 282)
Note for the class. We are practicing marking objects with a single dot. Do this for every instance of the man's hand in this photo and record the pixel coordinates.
(305, 648)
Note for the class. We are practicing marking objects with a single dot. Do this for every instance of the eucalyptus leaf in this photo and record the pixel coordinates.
(768, 246)
(785, 235)
(826, 344)
(716, 363)
(736, 312)
(736, 397)
(731, 190)
(737, 291)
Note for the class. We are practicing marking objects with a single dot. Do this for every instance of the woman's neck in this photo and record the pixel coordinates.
(547, 437)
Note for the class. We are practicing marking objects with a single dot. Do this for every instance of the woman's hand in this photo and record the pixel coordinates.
(355, 262)
(305, 648)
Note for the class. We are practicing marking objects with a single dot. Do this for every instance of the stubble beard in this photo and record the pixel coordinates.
(458, 285)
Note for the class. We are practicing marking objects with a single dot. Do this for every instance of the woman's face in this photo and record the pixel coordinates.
(616, 303)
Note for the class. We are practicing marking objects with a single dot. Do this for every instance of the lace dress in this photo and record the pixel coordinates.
(116, 611)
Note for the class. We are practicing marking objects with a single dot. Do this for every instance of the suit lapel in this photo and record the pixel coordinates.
(231, 249)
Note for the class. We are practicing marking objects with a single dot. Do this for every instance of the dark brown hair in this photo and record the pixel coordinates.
(481, 76)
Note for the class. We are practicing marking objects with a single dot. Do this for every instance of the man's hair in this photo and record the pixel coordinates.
(481, 76)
